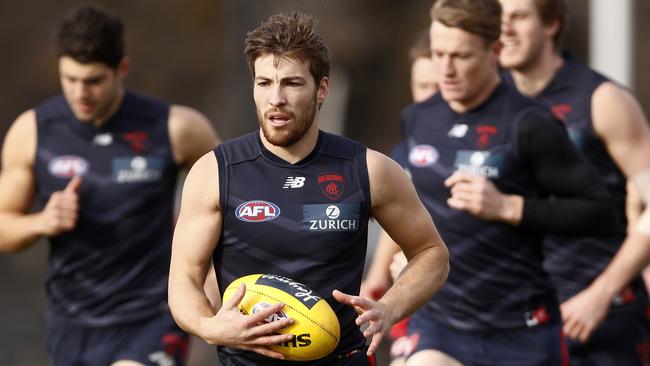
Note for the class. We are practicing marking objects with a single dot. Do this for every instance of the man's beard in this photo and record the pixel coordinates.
(291, 133)
(103, 109)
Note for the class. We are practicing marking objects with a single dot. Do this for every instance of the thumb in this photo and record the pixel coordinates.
(342, 297)
(237, 297)
(346, 299)
(73, 185)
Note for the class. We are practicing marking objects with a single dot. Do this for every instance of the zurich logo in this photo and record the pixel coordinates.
(257, 211)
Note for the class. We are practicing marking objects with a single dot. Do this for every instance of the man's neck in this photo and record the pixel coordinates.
(531, 80)
(112, 109)
(298, 151)
(485, 92)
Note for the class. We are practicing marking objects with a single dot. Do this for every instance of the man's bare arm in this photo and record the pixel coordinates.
(400, 212)
(619, 120)
(191, 135)
(18, 228)
(195, 238)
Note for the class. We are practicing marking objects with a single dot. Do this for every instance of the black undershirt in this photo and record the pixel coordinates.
(576, 194)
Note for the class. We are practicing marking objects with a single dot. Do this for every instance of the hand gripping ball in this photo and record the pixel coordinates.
(316, 329)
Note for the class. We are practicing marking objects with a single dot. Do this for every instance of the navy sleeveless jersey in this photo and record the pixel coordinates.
(496, 279)
(574, 262)
(306, 221)
(400, 154)
(113, 267)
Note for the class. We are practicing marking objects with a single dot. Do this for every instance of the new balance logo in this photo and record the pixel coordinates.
(458, 131)
(294, 182)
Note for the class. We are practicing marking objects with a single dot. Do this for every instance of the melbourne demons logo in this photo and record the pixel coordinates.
(560, 111)
(257, 211)
(484, 132)
(137, 139)
(332, 185)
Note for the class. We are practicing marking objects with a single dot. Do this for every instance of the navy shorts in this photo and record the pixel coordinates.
(157, 341)
(357, 357)
(621, 340)
(542, 345)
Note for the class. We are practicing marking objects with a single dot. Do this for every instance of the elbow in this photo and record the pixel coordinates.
(443, 266)
(446, 266)
(176, 313)
(171, 302)
(11, 248)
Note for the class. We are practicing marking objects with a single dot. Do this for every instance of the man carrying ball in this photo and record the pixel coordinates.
(294, 201)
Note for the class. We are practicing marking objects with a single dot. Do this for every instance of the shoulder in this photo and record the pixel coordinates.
(205, 166)
(185, 120)
(239, 149)
(614, 107)
(387, 178)
(377, 160)
(202, 182)
(381, 166)
(24, 125)
(185, 114)
(341, 146)
(610, 93)
(20, 140)
(191, 133)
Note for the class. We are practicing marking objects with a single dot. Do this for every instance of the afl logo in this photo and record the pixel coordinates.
(257, 211)
(271, 318)
(67, 166)
(423, 155)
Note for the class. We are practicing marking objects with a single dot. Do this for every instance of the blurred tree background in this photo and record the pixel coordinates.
(191, 52)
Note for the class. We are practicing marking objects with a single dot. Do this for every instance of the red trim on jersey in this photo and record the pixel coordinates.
(399, 329)
(643, 349)
(176, 346)
(564, 349)
(372, 359)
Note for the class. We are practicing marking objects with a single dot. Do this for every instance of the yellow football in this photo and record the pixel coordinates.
(316, 329)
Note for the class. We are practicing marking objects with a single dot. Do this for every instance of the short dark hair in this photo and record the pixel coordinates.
(292, 35)
(421, 48)
(480, 17)
(90, 34)
(550, 11)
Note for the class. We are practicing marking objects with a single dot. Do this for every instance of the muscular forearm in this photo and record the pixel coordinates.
(189, 304)
(18, 231)
(633, 256)
(423, 276)
(384, 252)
